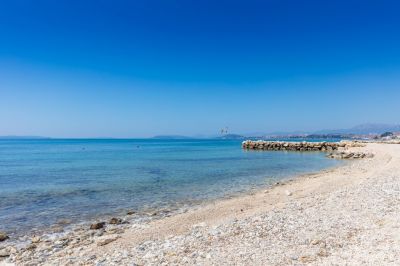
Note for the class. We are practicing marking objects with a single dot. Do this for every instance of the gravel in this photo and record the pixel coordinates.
(355, 221)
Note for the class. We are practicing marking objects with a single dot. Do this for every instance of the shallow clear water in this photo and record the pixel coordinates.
(43, 181)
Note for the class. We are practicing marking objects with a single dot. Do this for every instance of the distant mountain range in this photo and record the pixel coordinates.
(231, 136)
(23, 137)
(171, 137)
(364, 129)
(227, 136)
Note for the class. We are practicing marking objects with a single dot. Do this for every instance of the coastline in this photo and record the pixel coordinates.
(132, 217)
(227, 224)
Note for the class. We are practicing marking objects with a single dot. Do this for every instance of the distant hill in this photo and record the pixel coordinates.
(170, 137)
(364, 129)
(231, 136)
(227, 136)
(23, 137)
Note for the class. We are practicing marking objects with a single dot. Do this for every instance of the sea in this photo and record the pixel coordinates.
(45, 181)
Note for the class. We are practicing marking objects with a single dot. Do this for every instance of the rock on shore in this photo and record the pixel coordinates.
(3, 236)
(349, 155)
(97, 226)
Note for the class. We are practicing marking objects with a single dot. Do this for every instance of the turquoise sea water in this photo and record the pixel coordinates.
(44, 181)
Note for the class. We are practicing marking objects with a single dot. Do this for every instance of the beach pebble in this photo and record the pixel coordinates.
(35, 239)
(288, 193)
(115, 221)
(3, 236)
(105, 241)
(315, 242)
(199, 225)
(64, 221)
(4, 253)
(99, 233)
(31, 247)
(97, 226)
(57, 229)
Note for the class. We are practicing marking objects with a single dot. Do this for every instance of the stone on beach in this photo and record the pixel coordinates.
(349, 155)
(3, 236)
(4, 253)
(35, 239)
(106, 240)
(97, 226)
(199, 225)
(64, 221)
(31, 247)
(288, 193)
(116, 221)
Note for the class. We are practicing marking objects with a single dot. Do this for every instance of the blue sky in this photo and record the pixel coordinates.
(143, 68)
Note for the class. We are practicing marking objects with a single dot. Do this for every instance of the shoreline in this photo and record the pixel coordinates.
(139, 217)
(65, 226)
(150, 243)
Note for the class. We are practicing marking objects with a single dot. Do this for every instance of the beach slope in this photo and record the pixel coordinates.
(348, 215)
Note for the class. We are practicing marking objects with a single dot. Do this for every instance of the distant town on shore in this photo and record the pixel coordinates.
(364, 131)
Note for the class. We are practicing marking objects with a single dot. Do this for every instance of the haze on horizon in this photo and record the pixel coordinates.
(144, 68)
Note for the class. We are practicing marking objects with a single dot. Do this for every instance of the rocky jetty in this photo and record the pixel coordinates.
(291, 146)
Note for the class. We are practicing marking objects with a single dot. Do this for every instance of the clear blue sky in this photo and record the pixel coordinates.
(142, 68)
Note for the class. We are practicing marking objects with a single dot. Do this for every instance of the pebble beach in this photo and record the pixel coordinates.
(349, 215)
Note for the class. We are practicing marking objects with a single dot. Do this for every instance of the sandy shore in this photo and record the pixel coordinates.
(348, 215)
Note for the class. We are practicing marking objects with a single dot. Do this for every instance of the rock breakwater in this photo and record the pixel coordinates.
(291, 146)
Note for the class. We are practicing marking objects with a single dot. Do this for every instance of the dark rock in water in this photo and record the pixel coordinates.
(97, 226)
(64, 222)
(57, 229)
(3, 236)
(31, 247)
(166, 211)
(116, 221)
(130, 212)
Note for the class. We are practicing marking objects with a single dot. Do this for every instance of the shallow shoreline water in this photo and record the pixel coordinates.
(76, 181)
(130, 217)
